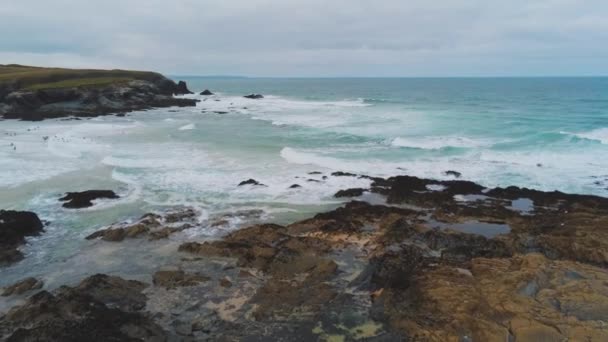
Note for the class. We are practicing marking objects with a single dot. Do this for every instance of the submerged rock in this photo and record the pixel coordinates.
(15, 226)
(84, 199)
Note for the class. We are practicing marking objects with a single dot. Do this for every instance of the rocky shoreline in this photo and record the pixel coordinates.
(427, 261)
(35, 94)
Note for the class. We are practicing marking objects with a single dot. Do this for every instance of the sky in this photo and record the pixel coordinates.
(311, 38)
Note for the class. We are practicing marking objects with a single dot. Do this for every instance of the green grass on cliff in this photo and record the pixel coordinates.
(35, 78)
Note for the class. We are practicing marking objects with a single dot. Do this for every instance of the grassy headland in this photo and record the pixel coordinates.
(22, 77)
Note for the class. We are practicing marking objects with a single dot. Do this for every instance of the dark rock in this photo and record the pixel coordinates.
(295, 186)
(254, 96)
(220, 112)
(76, 200)
(250, 182)
(96, 310)
(23, 286)
(14, 227)
(455, 174)
(182, 89)
(206, 92)
(350, 193)
(315, 173)
(119, 98)
(343, 174)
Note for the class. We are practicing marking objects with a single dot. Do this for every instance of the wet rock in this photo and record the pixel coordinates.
(79, 314)
(295, 186)
(454, 174)
(15, 226)
(182, 89)
(254, 96)
(250, 182)
(114, 292)
(206, 92)
(343, 174)
(349, 193)
(315, 173)
(76, 200)
(23, 286)
(153, 226)
(178, 278)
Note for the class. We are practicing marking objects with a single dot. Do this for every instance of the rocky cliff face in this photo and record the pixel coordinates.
(113, 98)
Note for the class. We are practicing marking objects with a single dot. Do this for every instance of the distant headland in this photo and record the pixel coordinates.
(37, 93)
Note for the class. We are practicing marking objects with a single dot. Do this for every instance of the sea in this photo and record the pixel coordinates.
(540, 133)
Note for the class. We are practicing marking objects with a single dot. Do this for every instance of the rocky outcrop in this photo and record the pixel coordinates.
(349, 193)
(84, 199)
(254, 96)
(420, 274)
(206, 92)
(153, 226)
(15, 226)
(23, 286)
(250, 182)
(83, 101)
(182, 89)
(419, 267)
(101, 308)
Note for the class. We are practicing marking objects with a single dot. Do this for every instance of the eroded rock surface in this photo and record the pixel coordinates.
(440, 261)
(101, 308)
(15, 226)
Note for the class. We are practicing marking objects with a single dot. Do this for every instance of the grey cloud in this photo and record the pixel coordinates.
(312, 37)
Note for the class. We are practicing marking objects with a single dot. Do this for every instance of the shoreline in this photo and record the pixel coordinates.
(405, 268)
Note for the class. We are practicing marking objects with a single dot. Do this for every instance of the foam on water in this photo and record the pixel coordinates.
(600, 134)
(188, 127)
(436, 143)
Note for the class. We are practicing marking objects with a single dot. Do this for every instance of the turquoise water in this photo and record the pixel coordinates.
(545, 133)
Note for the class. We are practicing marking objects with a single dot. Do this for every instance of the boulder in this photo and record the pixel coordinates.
(77, 200)
(206, 92)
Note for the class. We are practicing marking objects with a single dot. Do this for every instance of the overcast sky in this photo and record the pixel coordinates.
(311, 37)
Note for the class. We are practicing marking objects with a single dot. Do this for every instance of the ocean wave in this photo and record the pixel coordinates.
(600, 135)
(437, 143)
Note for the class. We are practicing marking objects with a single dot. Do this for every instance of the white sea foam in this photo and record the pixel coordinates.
(600, 134)
(188, 127)
(436, 143)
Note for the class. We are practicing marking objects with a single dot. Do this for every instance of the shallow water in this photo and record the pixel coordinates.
(548, 134)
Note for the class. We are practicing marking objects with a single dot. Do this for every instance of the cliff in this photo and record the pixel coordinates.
(34, 93)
